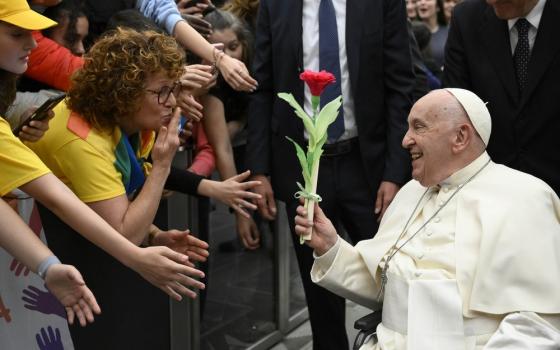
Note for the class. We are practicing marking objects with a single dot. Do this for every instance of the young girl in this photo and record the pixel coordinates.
(431, 13)
(225, 111)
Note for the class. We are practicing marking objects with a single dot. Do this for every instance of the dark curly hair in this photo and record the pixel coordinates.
(69, 10)
(113, 79)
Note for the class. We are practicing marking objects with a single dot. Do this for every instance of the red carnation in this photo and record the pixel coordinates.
(317, 81)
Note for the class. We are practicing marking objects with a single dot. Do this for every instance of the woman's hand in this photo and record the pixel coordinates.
(168, 271)
(68, 286)
(182, 242)
(196, 76)
(190, 106)
(36, 128)
(248, 232)
(236, 74)
(232, 192)
(167, 142)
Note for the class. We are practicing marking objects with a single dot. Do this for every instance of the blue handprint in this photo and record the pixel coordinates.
(42, 301)
(49, 339)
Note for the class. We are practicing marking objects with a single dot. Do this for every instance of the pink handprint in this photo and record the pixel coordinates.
(19, 268)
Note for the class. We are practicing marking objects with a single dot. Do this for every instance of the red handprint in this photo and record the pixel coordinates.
(4, 312)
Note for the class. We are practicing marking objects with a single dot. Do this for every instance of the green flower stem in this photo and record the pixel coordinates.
(309, 203)
(315, 102)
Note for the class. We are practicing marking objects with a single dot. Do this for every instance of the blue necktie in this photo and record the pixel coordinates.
(329, 61)
(522, 52)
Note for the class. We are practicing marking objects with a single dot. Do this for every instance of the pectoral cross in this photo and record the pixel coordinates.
(383, 281)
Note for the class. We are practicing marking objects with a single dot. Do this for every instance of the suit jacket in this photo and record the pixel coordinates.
(381, 79)
(525, 128)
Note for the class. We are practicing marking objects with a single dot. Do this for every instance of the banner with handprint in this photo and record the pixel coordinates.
(30, 316)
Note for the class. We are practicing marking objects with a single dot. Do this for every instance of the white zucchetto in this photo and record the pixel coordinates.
(476, 110)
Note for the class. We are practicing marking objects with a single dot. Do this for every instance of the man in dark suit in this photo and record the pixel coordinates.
(363, 166)
(508, 53)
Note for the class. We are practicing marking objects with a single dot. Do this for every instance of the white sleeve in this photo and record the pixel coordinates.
(526, 331)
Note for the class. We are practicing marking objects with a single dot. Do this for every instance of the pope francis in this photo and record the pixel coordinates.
(467, 255)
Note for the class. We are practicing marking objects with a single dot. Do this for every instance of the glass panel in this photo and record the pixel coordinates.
(239, 308)
(297, 294)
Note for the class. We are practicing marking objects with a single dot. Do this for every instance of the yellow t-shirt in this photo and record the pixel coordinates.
(83, 159)
(18, 164)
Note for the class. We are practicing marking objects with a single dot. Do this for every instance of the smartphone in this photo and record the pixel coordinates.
(40, 113)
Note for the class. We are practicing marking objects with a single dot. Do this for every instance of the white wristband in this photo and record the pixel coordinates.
(45, 264)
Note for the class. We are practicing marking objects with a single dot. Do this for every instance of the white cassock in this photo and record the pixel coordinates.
(484, 273)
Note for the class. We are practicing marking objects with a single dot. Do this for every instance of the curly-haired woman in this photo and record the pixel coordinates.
(21, 168)
(98, 144)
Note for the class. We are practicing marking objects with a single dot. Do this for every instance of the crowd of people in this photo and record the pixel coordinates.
(440, 169)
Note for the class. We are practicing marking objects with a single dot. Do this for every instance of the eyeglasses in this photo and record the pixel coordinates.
(166, 91)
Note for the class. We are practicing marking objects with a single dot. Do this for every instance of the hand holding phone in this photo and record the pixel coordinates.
(40, 113)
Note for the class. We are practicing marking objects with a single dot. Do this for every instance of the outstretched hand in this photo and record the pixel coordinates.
(236, 193)
(183, 242)
(324, 235)
(167, 270)
(68, 286)
(236, 74)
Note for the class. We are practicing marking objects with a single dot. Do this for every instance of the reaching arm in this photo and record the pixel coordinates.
(166, 14)
(133, 219)
(64, 281)
(159, 265)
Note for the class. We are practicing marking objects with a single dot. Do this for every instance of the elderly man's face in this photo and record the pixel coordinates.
(509, 9)
(429, 140)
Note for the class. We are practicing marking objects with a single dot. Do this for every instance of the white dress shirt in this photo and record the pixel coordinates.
(534, 18)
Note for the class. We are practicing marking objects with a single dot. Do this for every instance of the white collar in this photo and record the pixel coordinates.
(461, 176)
(533, 17)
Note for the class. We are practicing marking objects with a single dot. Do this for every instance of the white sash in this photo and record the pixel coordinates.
(430, 313)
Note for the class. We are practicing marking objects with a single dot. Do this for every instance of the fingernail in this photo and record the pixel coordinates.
(377, 210)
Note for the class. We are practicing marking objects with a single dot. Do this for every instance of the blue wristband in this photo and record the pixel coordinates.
(45, 264)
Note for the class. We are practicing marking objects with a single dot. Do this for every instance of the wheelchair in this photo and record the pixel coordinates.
(367, 327)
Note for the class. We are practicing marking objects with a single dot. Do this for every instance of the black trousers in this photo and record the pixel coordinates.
(134, 314)
(349, 202)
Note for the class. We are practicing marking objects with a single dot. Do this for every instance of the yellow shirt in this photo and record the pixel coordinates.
(84, 162)
(18, 164)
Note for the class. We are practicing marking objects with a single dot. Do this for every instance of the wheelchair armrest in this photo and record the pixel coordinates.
(369, 321)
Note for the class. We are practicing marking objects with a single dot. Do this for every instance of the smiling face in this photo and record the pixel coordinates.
(151, 115)
(427, 9)
(429, 140)
(16, 44)
(509, 9)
